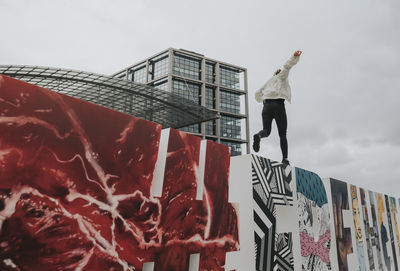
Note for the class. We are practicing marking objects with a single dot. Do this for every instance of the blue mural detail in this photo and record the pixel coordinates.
(310, 185)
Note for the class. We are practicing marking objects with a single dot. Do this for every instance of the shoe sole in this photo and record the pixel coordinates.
(256, 143)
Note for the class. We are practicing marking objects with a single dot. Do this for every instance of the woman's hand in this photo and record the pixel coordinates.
(297, 53)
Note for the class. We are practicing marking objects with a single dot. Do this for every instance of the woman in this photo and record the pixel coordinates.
(273, 94)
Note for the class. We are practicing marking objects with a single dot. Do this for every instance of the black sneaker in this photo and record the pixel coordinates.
(256, 142)
(285, 162)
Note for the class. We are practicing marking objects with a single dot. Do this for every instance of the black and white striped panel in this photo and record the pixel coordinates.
(271, 187)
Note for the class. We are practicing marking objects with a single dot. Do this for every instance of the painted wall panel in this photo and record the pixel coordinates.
(240, 186)
(357, 225)
(377, 234)
(391, 233)
(314, 221)
(385, 232)
(394, 213)
(76, 189)
(340, 202)
(271, 188)
(368, 230)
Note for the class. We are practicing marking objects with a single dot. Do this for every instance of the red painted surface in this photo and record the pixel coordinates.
(75, 182)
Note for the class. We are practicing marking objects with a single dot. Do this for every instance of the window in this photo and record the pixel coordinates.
(230, 127)
(211, 127)
(187, 90)
(210, 98)
(210, 73)
(229, 77)
(139, 75)
(161, 85)
(121, 75)
(186, 67)
(229, 102)
(195, 128)
(236, 147)
(159, 67)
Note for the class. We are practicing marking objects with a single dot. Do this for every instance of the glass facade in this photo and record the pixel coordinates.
(186, 67)
(186, 90)
(195, 128)
(229, 77)
(236, 148)
(159, 67)
(222, 85)
(210, 73)
(139, 75)
(211, 128)
(191, 92)
(229, 102)
(161, 85)
(230, 127)
(210, 98)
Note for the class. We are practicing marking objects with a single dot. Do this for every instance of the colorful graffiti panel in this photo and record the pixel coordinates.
(357, 227)
(353, 227)
(393, 210)
(391, 232)
(314, 221)
(340, 201)
(383, 231)
(368, 230)
(376, 230)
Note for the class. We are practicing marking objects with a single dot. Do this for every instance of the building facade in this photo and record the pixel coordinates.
(217, 85)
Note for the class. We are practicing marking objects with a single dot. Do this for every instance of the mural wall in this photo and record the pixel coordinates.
(78, 182)
(339, 227)
(83, 187)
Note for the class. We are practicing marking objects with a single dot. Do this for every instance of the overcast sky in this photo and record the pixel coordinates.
(344, 116)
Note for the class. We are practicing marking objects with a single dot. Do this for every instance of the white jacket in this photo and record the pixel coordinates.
(277, 87)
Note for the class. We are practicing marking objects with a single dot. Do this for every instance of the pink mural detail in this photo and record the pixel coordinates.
(319, 248)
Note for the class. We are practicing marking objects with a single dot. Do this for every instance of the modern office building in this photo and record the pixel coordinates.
(217, 85)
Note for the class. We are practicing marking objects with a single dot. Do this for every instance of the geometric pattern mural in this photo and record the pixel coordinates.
(271, 187)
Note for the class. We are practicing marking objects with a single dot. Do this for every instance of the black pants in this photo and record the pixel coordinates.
(275, 109)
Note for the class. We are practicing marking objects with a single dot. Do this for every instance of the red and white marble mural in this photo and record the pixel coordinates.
(76, 189)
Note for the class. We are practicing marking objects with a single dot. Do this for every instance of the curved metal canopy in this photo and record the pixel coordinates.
(122, 95)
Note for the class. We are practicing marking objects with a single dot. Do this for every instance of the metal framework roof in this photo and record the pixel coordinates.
(122, 95)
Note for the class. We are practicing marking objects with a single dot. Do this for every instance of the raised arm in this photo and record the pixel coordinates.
(290, 63)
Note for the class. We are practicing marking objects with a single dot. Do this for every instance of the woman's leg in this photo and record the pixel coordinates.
(281, 123)
(267, 117)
